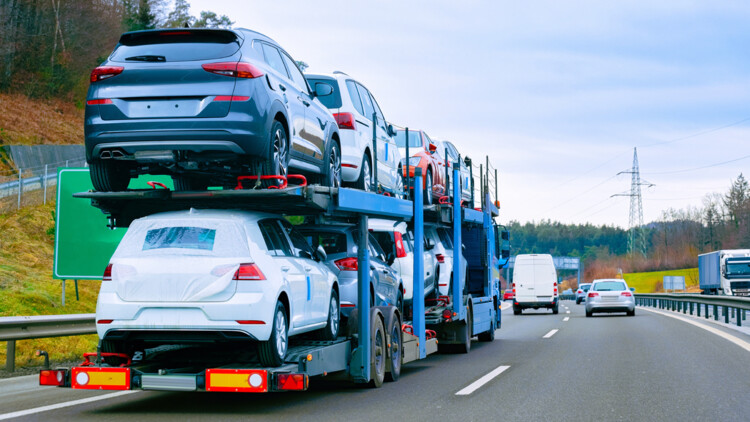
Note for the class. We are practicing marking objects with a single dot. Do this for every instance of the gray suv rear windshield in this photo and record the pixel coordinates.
(334, 99)
(175, 46)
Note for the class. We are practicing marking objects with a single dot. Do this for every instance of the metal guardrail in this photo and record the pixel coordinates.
(43, 326)
(687, 303)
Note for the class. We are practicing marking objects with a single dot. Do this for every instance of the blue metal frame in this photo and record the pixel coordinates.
(417, 301)
(458, 307)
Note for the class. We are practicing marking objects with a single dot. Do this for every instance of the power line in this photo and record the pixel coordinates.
(699, 168)
(697, 134)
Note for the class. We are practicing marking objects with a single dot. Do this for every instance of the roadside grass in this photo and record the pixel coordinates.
(27, 286)
(651, 282)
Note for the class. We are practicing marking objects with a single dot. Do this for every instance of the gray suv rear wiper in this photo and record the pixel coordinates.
(147, 58)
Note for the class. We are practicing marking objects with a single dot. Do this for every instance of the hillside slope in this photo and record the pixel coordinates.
(27, 121)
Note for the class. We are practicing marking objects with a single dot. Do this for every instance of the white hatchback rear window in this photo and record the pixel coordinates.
(202, 237)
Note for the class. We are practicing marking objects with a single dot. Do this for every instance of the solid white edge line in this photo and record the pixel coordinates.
(745, 345)
(551, 333)
(474, 386)
(21, 378)
(65, 404)
(566, 319)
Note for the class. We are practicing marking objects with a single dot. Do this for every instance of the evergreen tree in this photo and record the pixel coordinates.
(737, 199)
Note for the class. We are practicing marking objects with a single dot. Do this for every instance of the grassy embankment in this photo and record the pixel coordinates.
(652, 282)
(27, 286)
(27, 235)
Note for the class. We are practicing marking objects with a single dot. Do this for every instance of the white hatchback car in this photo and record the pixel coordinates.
(443, 252)
(215, 276)
(393, 237)
(353, 106)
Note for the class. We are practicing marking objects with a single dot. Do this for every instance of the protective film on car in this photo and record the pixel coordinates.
(179, 261)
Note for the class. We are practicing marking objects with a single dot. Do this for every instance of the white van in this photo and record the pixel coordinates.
(534, 283)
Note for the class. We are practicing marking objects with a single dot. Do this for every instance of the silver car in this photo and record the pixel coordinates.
(610, 295)
(581, 293)
(340, 243)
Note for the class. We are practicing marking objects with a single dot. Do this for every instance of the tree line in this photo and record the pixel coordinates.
(673, 241)
(48, 47)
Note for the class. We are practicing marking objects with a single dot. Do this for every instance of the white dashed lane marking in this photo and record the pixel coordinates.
(551, 333)
(474, 386)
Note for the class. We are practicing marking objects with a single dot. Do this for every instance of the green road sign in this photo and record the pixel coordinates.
(83, 243)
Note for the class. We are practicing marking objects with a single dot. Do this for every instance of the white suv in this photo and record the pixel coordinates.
(443, 252)
(353, 106)
(393, 237)
(234, 277)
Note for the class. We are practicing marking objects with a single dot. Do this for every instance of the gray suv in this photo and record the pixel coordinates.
(205, 106)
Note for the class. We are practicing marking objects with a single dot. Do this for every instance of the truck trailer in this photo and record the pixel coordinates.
(725, 272)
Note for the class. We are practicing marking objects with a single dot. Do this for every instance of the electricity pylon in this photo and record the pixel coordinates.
(636, 233)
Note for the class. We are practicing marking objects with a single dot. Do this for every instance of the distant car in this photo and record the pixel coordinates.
(464, 171)
(508, 294)
(213, 276)
(340, 243)
(425, 155)
(583, 289)
(205, 106)
(443, 253)
(395, 238)
(610, 295)
(352, 106)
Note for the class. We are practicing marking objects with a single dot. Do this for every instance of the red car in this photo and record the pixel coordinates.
(424, 154)
(508, 295)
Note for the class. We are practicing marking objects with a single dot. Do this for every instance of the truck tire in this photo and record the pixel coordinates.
(465, 347)
(379, 353)
(273, 352)
(556, 309)
(488, 335)
(109, 346)
(395, 349)
(331, 330)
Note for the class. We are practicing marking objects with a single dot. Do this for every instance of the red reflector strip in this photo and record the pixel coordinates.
(52, 377)
(348, 305)
(99, 101)
(231, 98)
(104, 321)
(349, 165)
(250, 322)
(100, 378)
(237, 380)
(292, 382)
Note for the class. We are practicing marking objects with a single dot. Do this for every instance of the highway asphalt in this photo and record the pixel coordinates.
(609, 367)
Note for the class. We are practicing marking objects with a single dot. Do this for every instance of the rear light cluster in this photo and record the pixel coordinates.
(399, 241)
(555, 284)
(627, 294)
(440, 257)
(235, 70)
(593, 294)
(99, 101)
(231, 98)
(347, 264)
(248, 272)
(345, 120)
(513, 286)
(107, 273)
(105, 72)
(55, 377)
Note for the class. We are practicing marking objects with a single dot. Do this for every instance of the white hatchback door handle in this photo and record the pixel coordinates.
(308, 268)
(284, 268)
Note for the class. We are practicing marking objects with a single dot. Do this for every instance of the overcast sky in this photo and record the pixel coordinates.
(557, 93)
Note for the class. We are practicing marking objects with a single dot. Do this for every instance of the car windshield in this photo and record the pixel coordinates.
(610, 286)
(175, 46)
(332, 242)
(332, 100)
(415, 140)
